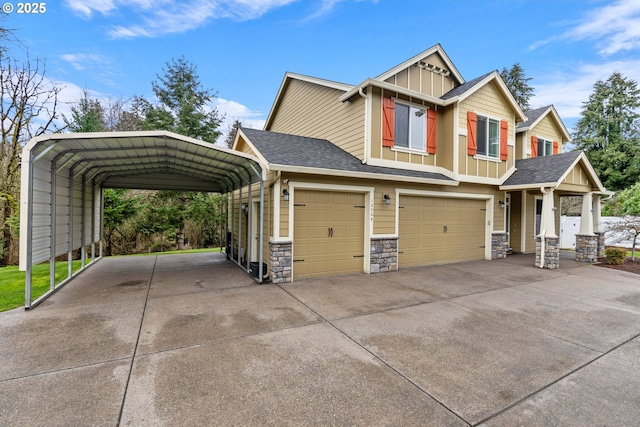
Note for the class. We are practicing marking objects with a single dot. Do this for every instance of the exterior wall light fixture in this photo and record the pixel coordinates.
(285, 195)
(387, 199)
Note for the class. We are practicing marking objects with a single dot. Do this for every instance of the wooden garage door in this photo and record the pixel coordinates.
(328, 233)
(440, 230)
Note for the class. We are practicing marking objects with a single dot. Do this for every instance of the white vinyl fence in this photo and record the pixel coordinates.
(570, 226)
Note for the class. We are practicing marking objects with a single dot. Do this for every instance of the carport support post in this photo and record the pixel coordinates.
(261, 241)
(52, 259)
(249, 226)
(29, 266)
(70, 244)
(83, 224)
(240, 224)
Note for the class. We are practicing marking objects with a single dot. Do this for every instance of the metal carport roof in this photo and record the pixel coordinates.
(63, 176)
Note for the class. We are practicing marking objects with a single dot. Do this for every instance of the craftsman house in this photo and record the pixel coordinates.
(416, 166)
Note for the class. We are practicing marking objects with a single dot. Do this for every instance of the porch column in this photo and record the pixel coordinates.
(586, 221)
(597, 224)
(547, 243)
(587, 240)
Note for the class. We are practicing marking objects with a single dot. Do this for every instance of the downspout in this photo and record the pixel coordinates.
(543, 232)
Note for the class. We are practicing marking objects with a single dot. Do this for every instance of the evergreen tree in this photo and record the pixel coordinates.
(183, 103)
(608, 131)
(86, 115)
(231, 136)
(518, 85)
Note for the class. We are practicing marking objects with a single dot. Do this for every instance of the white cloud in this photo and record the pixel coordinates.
(156, 17)
(568, 90)
(233, 111)
(99, 66)
(615, 26)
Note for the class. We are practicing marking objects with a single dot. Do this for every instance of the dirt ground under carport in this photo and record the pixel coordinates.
(192, 340)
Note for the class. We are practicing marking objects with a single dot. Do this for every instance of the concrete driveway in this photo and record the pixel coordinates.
(191, 340)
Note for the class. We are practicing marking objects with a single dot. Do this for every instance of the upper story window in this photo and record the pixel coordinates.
(408, 126)
(487, 136)
(488, 142)
(543, 147)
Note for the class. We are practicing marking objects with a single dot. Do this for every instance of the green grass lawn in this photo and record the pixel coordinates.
(12, 280)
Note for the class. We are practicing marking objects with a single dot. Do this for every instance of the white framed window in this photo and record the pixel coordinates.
(545, 147)
(488, 137)
(410, 126)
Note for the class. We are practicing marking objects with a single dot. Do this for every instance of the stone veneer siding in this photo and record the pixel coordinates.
(587, 247)
(384, 255)
(280, 257)
(551, 252)
(499, 245)
(600, 235)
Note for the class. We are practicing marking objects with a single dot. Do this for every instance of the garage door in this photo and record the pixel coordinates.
(435, 230)
(328, 233)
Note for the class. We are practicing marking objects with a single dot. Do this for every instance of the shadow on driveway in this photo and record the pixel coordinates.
(192, 340)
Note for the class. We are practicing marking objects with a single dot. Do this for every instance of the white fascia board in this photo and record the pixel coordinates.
(393, 88)
(365, 175)
(504, 89)
(535, 186)
(437, 48)
(585, 161)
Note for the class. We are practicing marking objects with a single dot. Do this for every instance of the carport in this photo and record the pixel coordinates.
(63, 177)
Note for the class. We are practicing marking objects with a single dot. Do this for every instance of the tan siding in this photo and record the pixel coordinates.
(312, 110)
(519, 142)
(515, 226)
(444, 149)
(424, 81)
(384, 215)
(487, 101)
(547, 129)
(401, 155)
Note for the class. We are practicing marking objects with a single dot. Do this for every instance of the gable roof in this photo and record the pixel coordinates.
(464, 91)
(285, 152)
(288, 76)
(433, 49)
(548, 171)
(536, 115)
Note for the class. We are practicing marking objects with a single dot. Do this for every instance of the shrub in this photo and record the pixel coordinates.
(615, 255)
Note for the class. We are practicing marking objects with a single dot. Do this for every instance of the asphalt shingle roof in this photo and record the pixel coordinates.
(532, 116)
(292, 150)
(544, 169)
(459, 90)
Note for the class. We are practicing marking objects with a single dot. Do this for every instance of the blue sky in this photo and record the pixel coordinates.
(242, 48)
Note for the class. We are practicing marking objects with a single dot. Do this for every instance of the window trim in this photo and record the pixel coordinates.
(487, 156)
(422, 150)
(542, 142)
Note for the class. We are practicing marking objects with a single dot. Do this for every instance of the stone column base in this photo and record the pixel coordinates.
(551, 252)
(587, 247)
(280, 257)
(600, 235)
(384, 255)
(499, 245)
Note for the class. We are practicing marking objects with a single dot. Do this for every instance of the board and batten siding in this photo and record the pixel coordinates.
(422, 80)
(487, 101)
(314, 111)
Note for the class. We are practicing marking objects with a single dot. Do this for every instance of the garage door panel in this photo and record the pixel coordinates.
(439, 230)
(337, 239)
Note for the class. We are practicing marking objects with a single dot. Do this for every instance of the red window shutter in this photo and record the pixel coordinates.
(504, 138)
(556, 147)
(534, 146)
(388, 120)
(472, 122)
(431, 131)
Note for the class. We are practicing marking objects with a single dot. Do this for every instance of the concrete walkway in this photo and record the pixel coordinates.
(191, 340)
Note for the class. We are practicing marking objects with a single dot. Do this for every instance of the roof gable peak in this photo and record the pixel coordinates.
(418, 59)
